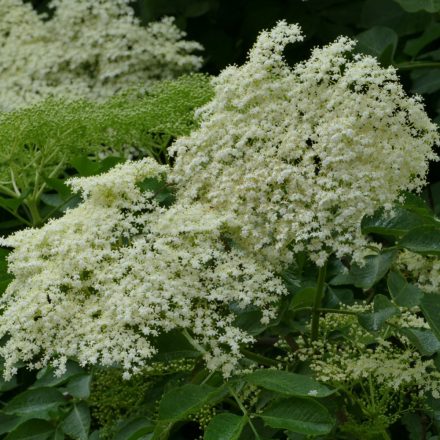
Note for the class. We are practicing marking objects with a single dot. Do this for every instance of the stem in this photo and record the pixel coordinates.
(35, 214)
(326, 310)
(417, 64)
(318, 300)
(14, 184)
(259, 358)
(338, 311)
(17, 216)
(246, 414)
(193, 342)
(7, 191)
(385, 435)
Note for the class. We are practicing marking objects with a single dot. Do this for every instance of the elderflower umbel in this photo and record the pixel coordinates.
(297, 156)
(100, 283)
(88, 48)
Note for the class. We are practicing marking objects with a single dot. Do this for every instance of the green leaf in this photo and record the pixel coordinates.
(85, 166)
(291, 384)
(77, 422)
(420, 5)
(134, 429)
(59, 186)
(59, 435)
(303, 298)
(32, 430)
(380, 42)
(79, 386)
(180, 402)
(109, 162)
(173, 346)
(365, 277)
(430, 305)
(390, 14)
(403, 293)
(424, 340)
(396, 225)
(334, 297)
(383, 309)
(5, 277)
(425, 80)
(304, 416)
(162, 192)
(415, 426)
(423, 240)
(225, 426)
(46, 377)
(7, 385)
(414, 46)
(249, 320)
(9, 422)
(35, 403)
(9, 203)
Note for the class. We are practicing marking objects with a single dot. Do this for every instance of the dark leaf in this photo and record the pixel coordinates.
(287, 383)
(403, 293)
(305, 416)
(383, 309)
(225, 426)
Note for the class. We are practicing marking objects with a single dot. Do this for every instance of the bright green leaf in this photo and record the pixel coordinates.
(225, 426)
(423, 240)
(403, 293)
(77, 422)
(287, 383)
(305, 416)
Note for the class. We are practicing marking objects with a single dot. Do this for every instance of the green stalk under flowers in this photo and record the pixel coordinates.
(320, 289)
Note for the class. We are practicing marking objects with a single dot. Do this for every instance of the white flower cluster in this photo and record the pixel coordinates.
(297, 156)
(286, 159)
(100, 283)
(424, 270)
(89, 48)
(356, 360)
